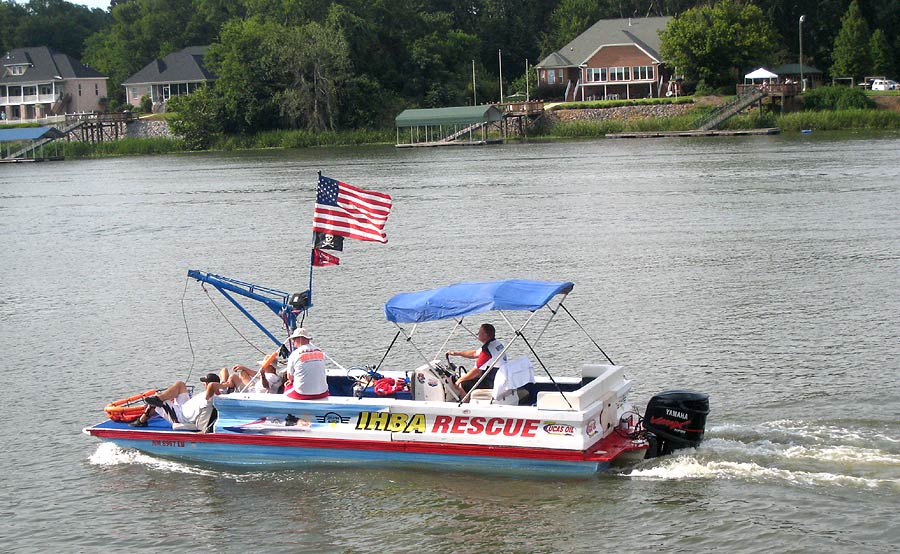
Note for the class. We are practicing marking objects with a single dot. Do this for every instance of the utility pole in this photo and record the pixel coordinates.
(474, 92)
(500, 58)
(800, 25)
(527, 94)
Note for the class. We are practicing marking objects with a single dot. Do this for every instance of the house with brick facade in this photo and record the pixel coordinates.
(613, 59)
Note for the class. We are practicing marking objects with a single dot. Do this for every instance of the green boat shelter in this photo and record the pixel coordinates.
(444, 126)
(26, 140)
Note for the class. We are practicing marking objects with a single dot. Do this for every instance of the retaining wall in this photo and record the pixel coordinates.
(620, 113)
(148, 129)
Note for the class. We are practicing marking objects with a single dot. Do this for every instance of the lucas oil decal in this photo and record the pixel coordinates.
(559, 429)
(416, 423)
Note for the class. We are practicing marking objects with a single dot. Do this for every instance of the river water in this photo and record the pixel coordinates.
(760, 270)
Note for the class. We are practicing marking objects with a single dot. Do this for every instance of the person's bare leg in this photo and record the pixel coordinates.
(172, 392)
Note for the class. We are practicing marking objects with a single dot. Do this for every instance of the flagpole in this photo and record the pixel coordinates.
(311, 250)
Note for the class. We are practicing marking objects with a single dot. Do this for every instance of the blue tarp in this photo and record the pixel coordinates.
(29, 133)
(465, 299)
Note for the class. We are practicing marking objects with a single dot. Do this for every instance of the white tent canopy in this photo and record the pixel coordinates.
(761, 73)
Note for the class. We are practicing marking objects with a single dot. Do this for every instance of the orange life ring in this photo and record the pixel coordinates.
(126, 409)
(389, 386)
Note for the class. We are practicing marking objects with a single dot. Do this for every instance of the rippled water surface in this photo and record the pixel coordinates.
(761, 270)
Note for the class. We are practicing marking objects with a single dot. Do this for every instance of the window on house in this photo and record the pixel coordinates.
(593, 74)
(96, 89)
(17, 70)
(643, 72)
(79, 89)
(551, 77)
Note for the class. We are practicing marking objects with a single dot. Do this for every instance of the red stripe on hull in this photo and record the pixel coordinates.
(606, 450)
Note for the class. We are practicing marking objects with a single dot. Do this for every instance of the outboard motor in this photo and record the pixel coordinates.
(675, 419)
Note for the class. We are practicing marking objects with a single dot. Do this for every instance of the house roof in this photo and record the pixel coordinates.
(46, 65)
(459, 115)
(29, 133)
(643, 32)
(794, 68)
(183, 66)
(555, 60)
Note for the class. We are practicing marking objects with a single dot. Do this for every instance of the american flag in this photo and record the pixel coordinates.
(349, 211)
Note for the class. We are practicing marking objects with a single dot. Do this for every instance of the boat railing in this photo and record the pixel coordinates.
(608, 384)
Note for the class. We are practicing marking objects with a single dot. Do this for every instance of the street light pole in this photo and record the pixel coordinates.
(800, 26)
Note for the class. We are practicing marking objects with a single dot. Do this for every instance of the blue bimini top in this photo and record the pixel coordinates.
(463, 299)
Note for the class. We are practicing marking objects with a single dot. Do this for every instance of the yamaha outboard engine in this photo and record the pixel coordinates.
(675, 419)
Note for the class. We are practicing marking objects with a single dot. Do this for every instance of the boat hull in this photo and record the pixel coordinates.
(285, 452)
(572, 434)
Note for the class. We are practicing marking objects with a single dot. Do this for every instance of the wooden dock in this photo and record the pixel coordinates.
(697, 133)
(434, 144)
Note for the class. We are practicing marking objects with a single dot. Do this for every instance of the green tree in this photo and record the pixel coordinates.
(247, 70)
(143, 30)
(198, 117)
(11, 16)
(314, 62)
(568, 20)
(58, 24)
(881, 54)
(714, 44)
(851, 47)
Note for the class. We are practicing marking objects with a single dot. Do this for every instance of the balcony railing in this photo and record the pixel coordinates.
(21, 99)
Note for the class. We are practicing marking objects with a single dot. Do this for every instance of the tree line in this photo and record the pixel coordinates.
(345, 64)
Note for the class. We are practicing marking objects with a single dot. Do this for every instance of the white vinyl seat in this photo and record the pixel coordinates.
(510, 377)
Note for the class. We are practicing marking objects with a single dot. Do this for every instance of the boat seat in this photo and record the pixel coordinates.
(510, 379)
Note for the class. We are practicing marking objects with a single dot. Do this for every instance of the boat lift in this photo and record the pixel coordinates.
(287, 306)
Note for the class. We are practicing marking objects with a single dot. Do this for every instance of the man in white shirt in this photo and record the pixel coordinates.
(306, 368)
(176, 405)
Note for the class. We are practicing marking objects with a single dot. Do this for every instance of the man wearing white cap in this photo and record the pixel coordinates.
(306, 365)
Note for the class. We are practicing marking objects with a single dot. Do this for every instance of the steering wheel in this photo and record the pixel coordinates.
(454, 369)
(366, 379)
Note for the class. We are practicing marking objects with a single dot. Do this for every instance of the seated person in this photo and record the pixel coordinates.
(307, 377)
(266, 379)
(487, 358)
(175, 405)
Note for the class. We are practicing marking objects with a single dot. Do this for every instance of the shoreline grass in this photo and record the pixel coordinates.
(259, 141)
(291, 139)
(839, 120)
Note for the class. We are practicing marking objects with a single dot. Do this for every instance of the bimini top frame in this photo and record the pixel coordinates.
(464, 299)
